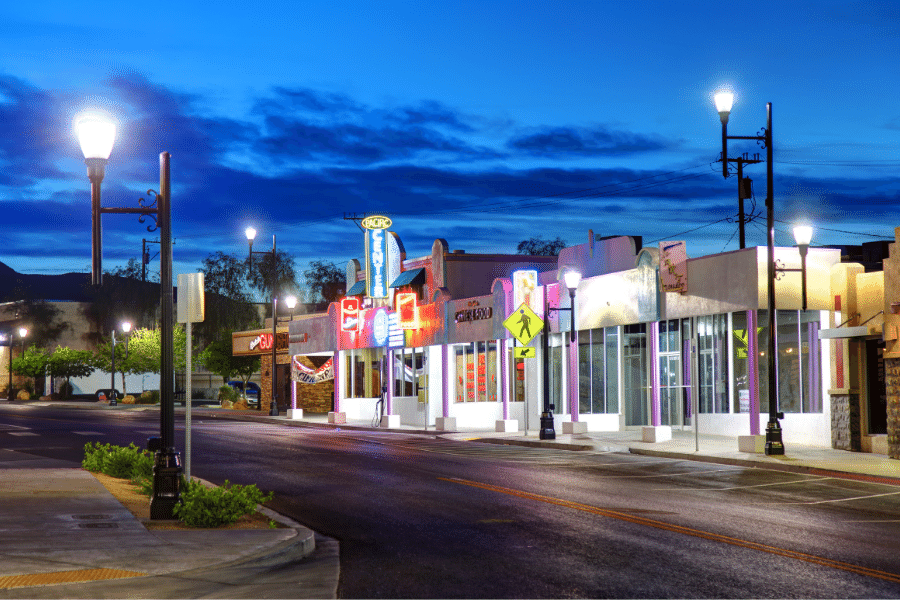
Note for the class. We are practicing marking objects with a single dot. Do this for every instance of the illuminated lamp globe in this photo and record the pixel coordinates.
(803, 235)
(572, 278)
(250, 233)
(96, 135)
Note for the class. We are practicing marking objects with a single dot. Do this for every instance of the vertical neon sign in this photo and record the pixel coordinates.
(376, 256)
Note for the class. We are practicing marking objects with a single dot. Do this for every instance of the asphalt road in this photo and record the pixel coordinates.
(425, 517)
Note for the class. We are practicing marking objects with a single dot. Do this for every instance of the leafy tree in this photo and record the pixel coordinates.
(33, 363)
(68, 363)
(118, 299)
(40, 317)
(227, 302)
(537, 246)
(325, 281)
(266, 268)
(218, 359)
(144, 353)
(226, 275)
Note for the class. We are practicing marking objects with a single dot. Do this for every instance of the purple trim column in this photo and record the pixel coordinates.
(445, 376)
(573, 377)
(815, 383)
(503, 380)
(753, 370)
(655, 410)
(337, 381)
(389, 382)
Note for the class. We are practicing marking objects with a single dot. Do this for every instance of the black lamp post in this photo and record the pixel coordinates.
(724, 101)
(251, 234)
(96, 135)
(572, 278)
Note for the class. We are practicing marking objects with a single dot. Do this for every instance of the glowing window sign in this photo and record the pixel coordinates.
(407, 310)
(350, 314)
(376, 273)
(524, 284)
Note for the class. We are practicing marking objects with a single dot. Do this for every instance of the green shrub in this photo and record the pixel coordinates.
(226, 392)
(149, 397)
(130, 462)
(212, 507)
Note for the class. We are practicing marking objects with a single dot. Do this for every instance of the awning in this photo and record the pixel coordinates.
(411, 277)
(358, 288)
(839, 333)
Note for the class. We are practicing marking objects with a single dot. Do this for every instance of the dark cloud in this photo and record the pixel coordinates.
(578, 141)
(303, 159)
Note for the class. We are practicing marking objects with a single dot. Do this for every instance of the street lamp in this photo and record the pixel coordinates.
(96, 135)
(126, 327)
(572, 278)
(803, 236)
(22, 333)
(250, 232)
(724, 101)
(291, 302)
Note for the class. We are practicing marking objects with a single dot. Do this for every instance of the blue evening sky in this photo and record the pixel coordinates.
(483, 123)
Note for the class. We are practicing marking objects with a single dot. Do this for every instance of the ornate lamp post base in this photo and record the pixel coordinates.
(167, 474)
(774, 443)
(548, 431)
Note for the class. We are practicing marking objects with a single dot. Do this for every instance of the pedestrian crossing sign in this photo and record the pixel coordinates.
(524, 324)
(524, 352)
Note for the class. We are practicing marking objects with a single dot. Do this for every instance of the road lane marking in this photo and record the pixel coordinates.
(844, 499)
(741, 487)
(715, 537)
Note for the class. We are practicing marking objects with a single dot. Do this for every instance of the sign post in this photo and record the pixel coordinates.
(191, 308)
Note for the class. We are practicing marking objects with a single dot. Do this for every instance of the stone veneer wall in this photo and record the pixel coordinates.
(845, 431)
(316, 398)
(892, 384)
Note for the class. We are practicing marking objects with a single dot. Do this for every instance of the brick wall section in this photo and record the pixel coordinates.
(845, 431)
(317, 398)
(314, 398)
(892, 383)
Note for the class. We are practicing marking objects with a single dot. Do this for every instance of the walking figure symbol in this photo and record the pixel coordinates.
(525, 320)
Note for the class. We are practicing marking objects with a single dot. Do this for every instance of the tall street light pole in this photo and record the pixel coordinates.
(96, 136)
(724, 101)
(251, 234)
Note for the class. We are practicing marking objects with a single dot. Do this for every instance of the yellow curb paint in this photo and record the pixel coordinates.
(8, 582)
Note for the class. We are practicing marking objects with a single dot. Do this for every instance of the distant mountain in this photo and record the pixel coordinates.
(69, 287)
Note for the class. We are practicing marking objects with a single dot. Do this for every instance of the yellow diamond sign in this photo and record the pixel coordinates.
(524, 324)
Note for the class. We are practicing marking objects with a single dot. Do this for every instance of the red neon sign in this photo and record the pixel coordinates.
(350, 314)
(407, 310)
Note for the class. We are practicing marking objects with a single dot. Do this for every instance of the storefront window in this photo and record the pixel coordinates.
(798, 388)
(409, 367)
(476, 372)
(598, 389)
(634, 374)
(517, 377)
(740, 359)
(363, 372)
(673, 359)
(712, 341)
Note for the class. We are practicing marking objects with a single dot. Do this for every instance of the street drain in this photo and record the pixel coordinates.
(99, 525)
(90, 517)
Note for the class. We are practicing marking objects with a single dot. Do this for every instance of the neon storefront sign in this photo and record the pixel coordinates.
(407, 310)
(350, 314)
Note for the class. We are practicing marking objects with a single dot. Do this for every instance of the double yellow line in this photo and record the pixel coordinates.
(706, 535)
